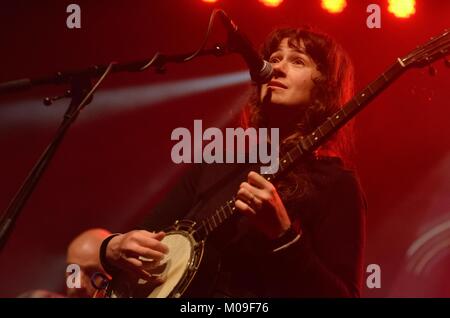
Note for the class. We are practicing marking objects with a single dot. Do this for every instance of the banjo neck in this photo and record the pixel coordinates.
(436, 48)
(308, 143)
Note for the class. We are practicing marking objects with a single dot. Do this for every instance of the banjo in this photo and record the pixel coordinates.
(186, 239)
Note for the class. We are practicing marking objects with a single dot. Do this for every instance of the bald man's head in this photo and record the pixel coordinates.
(84, 251)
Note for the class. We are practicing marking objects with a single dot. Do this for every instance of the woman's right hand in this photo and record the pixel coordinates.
(136, 251)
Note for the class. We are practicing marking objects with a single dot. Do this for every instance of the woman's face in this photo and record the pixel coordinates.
(292, 80)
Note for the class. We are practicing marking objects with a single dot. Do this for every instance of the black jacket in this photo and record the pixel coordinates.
(325, 262)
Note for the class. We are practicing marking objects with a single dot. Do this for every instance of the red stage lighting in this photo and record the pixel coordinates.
(334, 6)
(271, 3)
(402, 8)
(210, 1)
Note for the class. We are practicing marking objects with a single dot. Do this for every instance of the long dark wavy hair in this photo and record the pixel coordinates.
(330, 92)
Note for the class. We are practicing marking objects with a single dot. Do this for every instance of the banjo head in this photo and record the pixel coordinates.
(177, 270)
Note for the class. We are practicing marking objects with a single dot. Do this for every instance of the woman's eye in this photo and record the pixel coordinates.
(298, 62)
(274, 60)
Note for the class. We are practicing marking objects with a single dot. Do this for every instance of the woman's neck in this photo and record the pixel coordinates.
(284, 118)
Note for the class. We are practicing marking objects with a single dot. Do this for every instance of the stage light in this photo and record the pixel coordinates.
(27, 111)
(271, 3)
(334, 6)
(210, 1)
(402, 8)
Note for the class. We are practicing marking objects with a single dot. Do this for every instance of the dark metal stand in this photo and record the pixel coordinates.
(80, 88)
(81, 93)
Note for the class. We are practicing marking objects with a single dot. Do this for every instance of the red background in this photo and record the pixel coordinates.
(115, 162)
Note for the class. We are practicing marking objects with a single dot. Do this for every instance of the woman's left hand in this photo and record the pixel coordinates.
(259, 199)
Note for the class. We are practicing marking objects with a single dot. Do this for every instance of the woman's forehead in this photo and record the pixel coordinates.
(292, 43)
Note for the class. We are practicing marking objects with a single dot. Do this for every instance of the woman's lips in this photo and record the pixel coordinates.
(276, 84)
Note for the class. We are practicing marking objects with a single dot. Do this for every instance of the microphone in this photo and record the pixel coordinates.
(260, 70)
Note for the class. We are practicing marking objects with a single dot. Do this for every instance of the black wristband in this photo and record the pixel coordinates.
(290, 236)
(110, 269)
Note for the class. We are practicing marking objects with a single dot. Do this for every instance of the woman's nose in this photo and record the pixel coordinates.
(279, 69)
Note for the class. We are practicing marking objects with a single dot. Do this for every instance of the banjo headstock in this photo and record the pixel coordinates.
(438, 47)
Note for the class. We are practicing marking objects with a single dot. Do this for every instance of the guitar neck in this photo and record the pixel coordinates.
(310, 142)
(351, 108)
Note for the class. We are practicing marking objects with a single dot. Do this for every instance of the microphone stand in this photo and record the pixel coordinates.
(81, 94)
(158, 62)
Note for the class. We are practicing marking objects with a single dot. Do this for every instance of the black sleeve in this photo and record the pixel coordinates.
(327, 260)
(176, 204)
